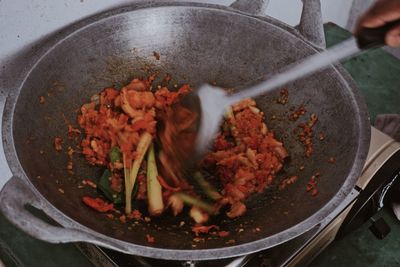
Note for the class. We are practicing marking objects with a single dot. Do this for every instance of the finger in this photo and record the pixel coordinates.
(393, 37)
(371, 21)
(379, 14)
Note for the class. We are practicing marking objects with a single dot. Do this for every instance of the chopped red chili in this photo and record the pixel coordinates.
(150, 238)
(57, 143)
(98, 204)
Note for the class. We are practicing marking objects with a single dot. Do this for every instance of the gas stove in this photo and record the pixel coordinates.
(374, 187)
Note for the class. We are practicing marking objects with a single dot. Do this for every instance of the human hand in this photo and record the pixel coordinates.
(381, 13)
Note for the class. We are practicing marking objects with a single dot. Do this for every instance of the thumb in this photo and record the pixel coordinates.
(393, 37)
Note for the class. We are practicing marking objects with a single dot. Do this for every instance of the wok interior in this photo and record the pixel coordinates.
(196, 45)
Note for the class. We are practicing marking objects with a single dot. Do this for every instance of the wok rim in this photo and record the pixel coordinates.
(186, 254)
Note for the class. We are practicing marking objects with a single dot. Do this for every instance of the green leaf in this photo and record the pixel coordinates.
(104, 185)
(115, 155)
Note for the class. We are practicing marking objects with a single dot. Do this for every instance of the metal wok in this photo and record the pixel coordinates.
(197, 43)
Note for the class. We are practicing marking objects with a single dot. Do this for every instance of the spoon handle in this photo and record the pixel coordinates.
(300, 69)
(364, 39)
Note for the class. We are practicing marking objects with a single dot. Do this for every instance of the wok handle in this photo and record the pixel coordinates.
(254, 7)
(16, 195)
(311, 25)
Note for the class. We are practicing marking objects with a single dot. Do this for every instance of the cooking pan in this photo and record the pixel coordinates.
(197, 43)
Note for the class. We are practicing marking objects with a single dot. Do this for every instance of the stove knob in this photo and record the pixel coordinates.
(379, 228)
(188, 264)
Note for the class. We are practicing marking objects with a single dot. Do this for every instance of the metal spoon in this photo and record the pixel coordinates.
(210, 102)
(214, 100)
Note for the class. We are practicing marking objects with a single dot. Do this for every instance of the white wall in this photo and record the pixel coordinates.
(24, 21)
(289, 11)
